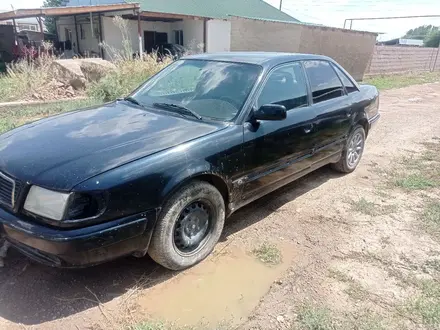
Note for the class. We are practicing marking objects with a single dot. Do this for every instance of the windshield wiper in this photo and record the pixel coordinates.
(178, 108)
(132, 100)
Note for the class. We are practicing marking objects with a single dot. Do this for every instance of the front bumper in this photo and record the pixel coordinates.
(79, 247)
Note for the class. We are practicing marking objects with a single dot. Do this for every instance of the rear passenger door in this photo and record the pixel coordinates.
(332, 107)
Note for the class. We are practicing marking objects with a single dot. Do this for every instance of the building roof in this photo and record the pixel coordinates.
(260, 58)
(202, 8)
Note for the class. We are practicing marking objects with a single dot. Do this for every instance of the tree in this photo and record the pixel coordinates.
(433, 39)
(428, 33)
(420, 32)
(49, 22)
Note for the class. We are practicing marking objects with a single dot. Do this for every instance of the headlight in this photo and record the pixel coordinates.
(69, 207)
(47, 203)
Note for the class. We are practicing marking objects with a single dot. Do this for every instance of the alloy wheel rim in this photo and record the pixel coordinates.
(192, 228)
(355, 148)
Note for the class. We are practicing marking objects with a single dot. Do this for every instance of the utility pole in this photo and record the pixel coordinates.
(281, 4)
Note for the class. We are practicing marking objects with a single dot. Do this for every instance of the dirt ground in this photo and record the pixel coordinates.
(357, 251)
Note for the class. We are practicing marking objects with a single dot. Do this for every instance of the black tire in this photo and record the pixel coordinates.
(164, 244)
(344, 165)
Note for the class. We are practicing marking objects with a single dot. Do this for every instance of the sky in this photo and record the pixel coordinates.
(334, 12)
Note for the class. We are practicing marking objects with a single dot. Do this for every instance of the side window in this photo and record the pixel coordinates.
(349, 86)
(324, 82)
(285, 86)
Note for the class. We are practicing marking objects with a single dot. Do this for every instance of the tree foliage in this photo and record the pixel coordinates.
(433, 39)
(420, 32)
(428, 33)
(49, 22)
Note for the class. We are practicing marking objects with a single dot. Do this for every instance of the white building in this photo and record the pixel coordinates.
(195, 24)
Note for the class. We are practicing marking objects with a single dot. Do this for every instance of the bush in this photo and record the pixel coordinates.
(25, 77)
(128, 75)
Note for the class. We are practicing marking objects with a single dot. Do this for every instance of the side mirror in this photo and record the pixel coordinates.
(271, 112)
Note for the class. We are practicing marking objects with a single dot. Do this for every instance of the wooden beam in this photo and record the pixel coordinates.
(77, 37)
(100, 36)
(166, 15)
(63, 11)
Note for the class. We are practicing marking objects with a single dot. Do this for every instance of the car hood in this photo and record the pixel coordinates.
(61, 151)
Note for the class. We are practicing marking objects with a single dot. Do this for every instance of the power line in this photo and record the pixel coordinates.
(386, 17)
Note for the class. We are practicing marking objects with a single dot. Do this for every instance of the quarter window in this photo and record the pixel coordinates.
(285, 86)
(324, 82)
(348, 84)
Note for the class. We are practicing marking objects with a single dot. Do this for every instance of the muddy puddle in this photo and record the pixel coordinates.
(223, 289)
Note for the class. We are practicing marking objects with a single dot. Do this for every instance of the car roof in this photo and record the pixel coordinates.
(260, 58)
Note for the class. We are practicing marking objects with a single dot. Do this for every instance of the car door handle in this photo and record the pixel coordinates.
(308, 128)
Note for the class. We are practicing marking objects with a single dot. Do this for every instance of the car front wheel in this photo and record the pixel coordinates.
(352, 153)
(189, 226)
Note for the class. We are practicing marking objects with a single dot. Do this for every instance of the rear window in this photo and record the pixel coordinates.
(324, 82)
(348, 84)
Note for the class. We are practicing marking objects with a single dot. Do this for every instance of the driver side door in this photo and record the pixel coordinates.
(276, 152)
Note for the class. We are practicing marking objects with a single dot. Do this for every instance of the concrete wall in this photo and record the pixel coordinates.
(395, 59)
(218, 36)
(192, 33)
(351, 49)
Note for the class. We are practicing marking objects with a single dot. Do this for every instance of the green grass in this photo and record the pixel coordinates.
(402, 80)
(430, 218)
(426, 307)
(268, 254)
(149, 326)
(415, 181)
(15, 116)
(313, 318)
(364, 206)
(372, 209)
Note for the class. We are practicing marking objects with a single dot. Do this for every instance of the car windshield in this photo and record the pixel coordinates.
(209, 89)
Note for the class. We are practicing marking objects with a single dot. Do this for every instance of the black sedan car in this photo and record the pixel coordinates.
(159, 171)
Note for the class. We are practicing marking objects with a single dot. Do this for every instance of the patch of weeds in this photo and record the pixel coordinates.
(408, 262)
(428, 310)
(431, 218)
(354, 289)
(268, 254)
(415, 181)
(414, 162)
(364, 206)
(313, 318)
(433, 146)
(149, 326)
(369, 208)
(340, 276)
(367, 321)
(426, 307)
(381, 193)
(433, 264)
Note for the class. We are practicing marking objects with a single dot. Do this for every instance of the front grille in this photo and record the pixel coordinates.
(9, 190)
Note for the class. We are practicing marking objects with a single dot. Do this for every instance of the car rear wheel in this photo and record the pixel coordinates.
(352, 153)
(189, 226)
